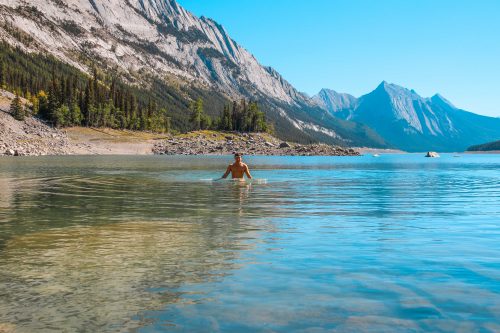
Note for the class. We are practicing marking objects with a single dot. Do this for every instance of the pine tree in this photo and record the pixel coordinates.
(197, 114)
(68, 91)
(53, 101)
(226, 120)
(88, 104)
(133, 123)
(43, 104)
(75, 114)
(258, 119)
(61, 116)
(61, 93)
(53, 84)
(245, 117)
(2, 74)
(206, 122)
(165, 119)
(235, 116)
(17, 109)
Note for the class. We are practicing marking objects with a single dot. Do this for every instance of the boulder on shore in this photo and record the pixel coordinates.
(285, 145)
(204, 143)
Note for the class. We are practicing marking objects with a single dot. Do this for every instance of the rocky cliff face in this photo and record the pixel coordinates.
(335, 102)
(411, 122)
(157, 36)
(141, 39)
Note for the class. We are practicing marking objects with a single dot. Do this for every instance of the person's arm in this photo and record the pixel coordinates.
(247, 172)
(228, 171)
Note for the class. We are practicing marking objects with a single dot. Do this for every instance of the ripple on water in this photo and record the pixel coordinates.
(105, 273)
(399, 244)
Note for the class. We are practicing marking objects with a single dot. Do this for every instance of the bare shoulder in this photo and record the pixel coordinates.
(245, 166)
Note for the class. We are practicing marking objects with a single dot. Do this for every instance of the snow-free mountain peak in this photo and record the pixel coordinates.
(394, 90)
(155, 36)
(411, 122)
(157, 44)
(439, 99)
(333, 101)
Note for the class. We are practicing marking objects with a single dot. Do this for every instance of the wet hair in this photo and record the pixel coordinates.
(238, 155)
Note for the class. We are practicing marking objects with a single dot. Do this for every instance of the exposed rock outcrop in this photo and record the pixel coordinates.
(29, 137)
(213, 143)
(158, 40)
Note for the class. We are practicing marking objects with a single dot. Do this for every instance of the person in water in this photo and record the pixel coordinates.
(238, 169)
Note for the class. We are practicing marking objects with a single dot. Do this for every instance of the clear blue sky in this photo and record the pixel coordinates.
(432, 46)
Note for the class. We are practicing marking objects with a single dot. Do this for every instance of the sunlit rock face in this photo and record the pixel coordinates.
(155, 36)
(335, 102)
(144, 40)
(411, 122)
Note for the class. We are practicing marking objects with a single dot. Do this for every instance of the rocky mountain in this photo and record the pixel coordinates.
(413, 123)
(157, 44)
(335, 102)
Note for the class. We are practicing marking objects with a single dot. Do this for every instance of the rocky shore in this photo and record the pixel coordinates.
(216, 143)
(29, 137)
(33, 137)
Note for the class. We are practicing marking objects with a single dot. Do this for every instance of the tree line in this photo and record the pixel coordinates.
(65, 96)
(68, 102)
(240, 116)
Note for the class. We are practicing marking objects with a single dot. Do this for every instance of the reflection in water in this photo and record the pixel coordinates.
(111, 244)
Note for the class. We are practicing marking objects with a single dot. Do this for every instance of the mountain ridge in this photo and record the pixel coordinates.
(159, 39)
(414, 123)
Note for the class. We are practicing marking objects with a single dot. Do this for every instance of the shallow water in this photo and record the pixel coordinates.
(399, 243)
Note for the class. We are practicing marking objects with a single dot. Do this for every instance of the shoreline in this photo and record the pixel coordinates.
(250, 144)
(492, 152)
(34, 137)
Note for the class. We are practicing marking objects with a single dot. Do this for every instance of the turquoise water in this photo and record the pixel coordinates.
(399, 243)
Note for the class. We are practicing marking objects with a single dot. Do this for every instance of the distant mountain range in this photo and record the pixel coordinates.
(411, 122)
(160, 46)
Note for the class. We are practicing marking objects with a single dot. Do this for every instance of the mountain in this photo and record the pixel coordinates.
(490, 146)
(159, 46)
(335, 102)
(411, 122)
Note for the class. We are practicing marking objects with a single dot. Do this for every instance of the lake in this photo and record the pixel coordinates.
(399, 243)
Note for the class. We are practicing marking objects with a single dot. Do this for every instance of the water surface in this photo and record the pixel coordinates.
(399, 243)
